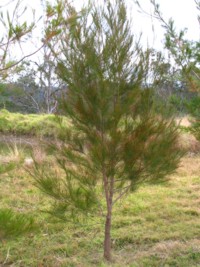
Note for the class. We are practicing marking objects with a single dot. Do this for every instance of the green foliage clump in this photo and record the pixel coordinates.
(7, 167)
(195, 129)
(194, 109)
(193, 106)
(177, 103)
(14, 224)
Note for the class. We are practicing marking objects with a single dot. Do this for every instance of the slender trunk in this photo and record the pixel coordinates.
(109, 191)
(109, 187)
(107, 237)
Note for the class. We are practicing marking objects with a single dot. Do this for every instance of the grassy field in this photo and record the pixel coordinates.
(158, 225)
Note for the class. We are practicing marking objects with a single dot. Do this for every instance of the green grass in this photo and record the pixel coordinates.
(29, 124)
(156, 226)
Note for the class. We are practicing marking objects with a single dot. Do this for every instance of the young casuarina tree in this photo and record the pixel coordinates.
(116, 141)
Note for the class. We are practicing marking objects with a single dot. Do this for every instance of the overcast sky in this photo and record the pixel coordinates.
(182, 11)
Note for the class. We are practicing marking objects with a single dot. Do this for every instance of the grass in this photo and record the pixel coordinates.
(29, 124)
(156, 226)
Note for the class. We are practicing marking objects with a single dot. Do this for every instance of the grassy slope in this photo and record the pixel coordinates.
(31, 124)
(156, 226)
(44, 124)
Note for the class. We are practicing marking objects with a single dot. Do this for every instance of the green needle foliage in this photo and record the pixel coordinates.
(14, 224)
(117, 142)
(193, 107)
(7, 167)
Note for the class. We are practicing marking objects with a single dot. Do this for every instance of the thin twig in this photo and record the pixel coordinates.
(16, 63)
(7, 256)
(122, 194)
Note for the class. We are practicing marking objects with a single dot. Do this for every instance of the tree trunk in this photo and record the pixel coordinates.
(107, 237)
(108, 187)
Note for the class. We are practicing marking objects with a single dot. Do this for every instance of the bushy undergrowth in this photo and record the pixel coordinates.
(29, 124)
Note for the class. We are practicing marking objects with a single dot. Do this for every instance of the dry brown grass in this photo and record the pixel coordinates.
(189, 143)
(163, 250)
(184, 121)
(187, 140)
(190, 166)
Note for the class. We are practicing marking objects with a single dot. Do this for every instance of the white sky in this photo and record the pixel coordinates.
(183, 12)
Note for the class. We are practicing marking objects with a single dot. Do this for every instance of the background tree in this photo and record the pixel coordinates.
(29, 100)
(33, 86)
(14, 30)
(186, 56)
(116, 142)
(184, 52)
(39, 88)
(51, 86)
(183, 73)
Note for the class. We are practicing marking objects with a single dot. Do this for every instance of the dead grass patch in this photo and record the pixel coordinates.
(190, 166)
(188, 142)
(184, 121)
(166, 249)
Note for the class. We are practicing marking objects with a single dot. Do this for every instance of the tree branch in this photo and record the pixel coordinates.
(122, 194)
(19, 61)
